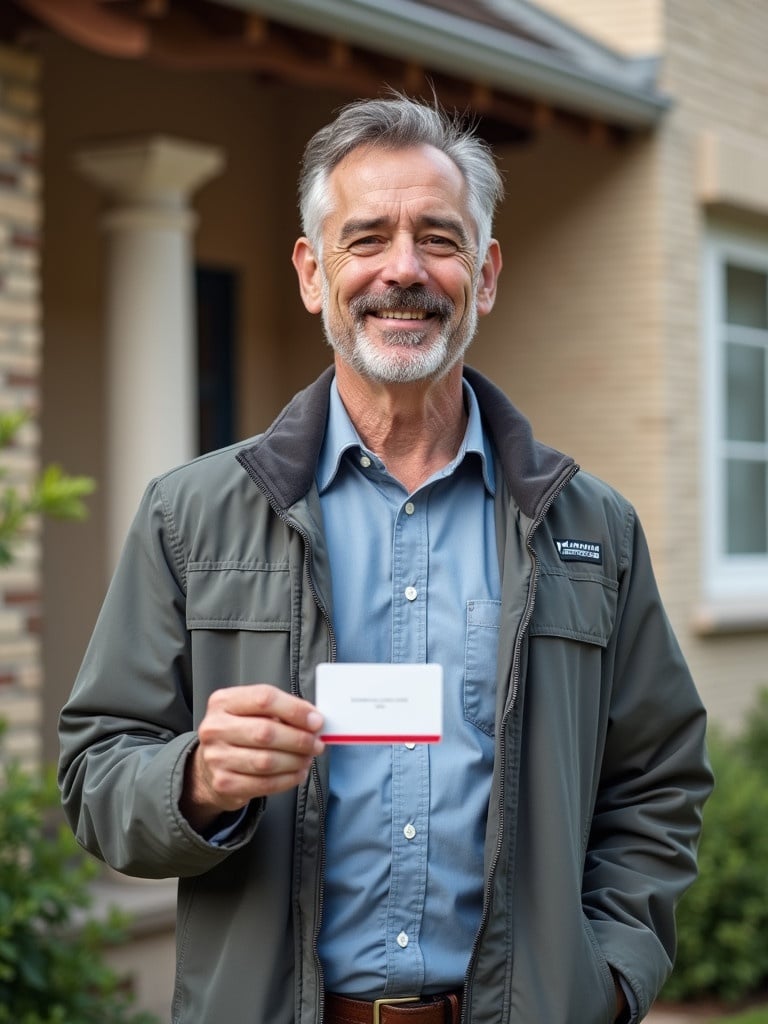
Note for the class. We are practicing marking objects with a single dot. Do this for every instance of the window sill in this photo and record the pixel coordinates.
(715, 618)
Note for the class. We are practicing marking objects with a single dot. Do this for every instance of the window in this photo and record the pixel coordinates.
(736, 418)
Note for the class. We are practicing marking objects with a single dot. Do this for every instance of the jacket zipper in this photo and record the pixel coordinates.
(515, 683)
(292, 524)
(514, 687)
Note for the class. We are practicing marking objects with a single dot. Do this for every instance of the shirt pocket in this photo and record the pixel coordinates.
(480, 659)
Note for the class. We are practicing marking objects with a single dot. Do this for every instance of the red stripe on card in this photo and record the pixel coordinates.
(383, 738)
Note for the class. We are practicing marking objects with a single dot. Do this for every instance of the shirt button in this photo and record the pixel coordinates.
(409, 831)
(410, 746)
(411, 593)
(365, 461)
(402, 940)
(410, 508)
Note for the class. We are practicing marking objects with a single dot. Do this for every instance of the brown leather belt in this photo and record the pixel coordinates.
(440, 1009)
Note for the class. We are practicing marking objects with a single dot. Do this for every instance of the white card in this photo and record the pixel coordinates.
(380, 703)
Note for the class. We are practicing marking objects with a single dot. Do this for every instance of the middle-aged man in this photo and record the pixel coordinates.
(525, 870)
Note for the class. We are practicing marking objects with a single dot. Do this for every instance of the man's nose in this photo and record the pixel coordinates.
(404, 265)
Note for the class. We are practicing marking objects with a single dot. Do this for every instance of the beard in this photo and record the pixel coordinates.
(405, 356)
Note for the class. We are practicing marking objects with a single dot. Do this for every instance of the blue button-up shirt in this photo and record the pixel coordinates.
(415, 578)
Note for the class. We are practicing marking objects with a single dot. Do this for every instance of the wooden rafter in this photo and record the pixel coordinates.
(196, 35)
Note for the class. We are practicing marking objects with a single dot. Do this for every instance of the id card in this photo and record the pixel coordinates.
(380, 703)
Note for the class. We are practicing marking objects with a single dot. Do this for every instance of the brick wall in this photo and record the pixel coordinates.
(597, 332)
(715, 68)
(575, 336)
(20, 222)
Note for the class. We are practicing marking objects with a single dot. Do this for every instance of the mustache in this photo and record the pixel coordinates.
(407, 299)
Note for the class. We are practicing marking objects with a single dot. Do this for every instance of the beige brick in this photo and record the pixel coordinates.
(715, 69)
(30, 181)
(14, 359)
(18, 650)
(19, 710)
(10, 621)
(19, 209)
(27, 338)
(19, 285)
(22, 746)
(14, 311)
(20, 129)
(20, 348)
(634, 27)
(30, 677)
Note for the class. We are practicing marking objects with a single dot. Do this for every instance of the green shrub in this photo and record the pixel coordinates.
(52, 968)
(723, 919)
(53, 493)
(756, 735)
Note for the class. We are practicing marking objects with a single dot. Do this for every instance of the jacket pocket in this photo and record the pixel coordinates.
(239, 620)
(576, 605)
(480, 657)
(238, 595)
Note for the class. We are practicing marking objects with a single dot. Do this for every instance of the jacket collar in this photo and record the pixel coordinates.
(283, 460)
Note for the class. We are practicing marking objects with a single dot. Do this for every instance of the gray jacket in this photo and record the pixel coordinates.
(600, 770)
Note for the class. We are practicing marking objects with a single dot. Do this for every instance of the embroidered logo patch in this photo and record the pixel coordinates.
(580, 551)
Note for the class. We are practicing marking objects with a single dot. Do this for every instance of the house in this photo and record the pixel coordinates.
(148, 158)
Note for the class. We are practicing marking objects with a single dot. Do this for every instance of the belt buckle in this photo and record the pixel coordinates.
(378, 1003)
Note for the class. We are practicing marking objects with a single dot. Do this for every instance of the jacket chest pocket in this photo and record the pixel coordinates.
(239, 621)
(576, 605)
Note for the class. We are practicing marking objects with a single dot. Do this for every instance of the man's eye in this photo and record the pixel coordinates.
(439, 242)
(368, 242)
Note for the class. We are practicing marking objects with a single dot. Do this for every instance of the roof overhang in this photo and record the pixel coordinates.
(567, 70)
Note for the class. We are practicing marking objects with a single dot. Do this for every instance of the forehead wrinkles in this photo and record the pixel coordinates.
(396, 185)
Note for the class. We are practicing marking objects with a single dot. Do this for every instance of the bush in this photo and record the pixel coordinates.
(52, 969)
(53, 493)
(723, 919)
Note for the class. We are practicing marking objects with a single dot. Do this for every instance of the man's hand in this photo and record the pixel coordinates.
(254, 741)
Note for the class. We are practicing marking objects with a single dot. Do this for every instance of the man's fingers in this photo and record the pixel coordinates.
(248, 733)
(260, 700)
(254, 741)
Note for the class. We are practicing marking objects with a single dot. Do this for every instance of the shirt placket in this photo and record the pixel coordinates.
(410, 762)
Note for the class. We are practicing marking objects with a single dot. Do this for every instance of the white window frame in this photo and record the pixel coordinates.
(729, 580)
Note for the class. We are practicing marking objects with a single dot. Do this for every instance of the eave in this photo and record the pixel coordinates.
(604, 85)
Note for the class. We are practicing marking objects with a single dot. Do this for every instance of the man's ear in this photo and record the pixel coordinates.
(489, 276)
(309, 273)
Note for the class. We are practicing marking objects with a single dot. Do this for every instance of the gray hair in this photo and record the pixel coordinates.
(398, 123)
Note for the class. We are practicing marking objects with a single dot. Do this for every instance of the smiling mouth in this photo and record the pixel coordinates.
(400, 314)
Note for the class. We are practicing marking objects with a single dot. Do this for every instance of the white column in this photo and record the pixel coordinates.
(151, 383)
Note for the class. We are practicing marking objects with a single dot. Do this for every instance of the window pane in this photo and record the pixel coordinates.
(746, 294)
(745, 393)
(747, 518)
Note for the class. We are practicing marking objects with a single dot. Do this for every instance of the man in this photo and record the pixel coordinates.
(524, 870)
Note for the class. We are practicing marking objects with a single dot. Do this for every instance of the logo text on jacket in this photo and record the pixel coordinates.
(580, 551)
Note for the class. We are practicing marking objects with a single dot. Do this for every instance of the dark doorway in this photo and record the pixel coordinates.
(216, 292)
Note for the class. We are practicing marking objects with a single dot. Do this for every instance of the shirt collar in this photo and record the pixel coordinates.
(341, 436)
